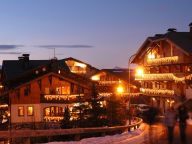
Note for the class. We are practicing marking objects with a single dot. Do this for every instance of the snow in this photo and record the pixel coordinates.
(134, 137)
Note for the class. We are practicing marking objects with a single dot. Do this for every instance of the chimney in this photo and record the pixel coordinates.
(24, 60)
(172, 30)
(26, 57)
(190, 27)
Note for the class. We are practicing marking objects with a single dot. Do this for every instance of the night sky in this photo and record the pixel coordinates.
(103, 33)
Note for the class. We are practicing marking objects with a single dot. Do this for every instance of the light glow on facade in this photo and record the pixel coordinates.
(160, 77)
(164, 60)
(61, 97)
(155, 92)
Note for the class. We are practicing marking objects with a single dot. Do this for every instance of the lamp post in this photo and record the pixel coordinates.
(129, 86)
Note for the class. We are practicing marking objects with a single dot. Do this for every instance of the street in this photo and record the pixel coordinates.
(157, 135)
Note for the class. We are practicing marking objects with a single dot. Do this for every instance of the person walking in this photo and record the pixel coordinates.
(170, 120)
(183, 116)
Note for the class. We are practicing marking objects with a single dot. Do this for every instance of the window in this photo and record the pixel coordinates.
(20, 111)
(30, 111)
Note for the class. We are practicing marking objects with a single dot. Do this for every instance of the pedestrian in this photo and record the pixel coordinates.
(183, 116)
(170, 121)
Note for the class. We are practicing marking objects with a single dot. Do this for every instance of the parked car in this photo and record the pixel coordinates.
(143, 107)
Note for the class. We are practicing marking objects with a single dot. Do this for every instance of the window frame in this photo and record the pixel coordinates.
(19, 111)
(28, 114)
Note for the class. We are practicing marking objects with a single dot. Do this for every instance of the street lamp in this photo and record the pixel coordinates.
(120, 89)
(129, 86)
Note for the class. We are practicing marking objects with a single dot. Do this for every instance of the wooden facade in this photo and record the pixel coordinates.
(164, 67)
(39, 94)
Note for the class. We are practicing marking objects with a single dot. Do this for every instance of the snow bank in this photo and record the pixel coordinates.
(123, 138)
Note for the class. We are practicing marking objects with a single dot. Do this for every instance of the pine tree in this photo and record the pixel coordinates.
(65, 123)
(97, 112)
(116, 111)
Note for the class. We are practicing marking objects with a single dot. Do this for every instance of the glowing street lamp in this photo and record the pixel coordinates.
(120, 89)
(139, 72)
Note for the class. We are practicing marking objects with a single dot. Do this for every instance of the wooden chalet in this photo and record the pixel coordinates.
(37, 91)
(165, 67)
(115, 82)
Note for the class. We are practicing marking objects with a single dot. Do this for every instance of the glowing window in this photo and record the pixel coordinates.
(30, 111)
(20, 111)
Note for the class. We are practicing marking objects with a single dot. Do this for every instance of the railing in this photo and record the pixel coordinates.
(163, 61)
(73, 131)
(161, 77)
(60, 98)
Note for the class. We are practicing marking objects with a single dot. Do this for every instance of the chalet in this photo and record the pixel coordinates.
(37, 91)
(116, 81)
(165, 67)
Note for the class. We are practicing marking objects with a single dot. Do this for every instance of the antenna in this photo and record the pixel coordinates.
(54, 52)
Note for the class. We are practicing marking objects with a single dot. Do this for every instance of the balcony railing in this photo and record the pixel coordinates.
(108, 82)
(163, 61)
(156, 92)
(161, 77)
(60, 98)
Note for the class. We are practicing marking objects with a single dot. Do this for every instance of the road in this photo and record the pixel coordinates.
(156, 134)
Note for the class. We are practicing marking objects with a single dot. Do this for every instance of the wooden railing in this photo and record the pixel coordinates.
(74, 131)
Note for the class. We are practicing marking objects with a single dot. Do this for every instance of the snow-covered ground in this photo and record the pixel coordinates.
(134, 137)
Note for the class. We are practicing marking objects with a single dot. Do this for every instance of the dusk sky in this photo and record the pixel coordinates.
(103, 33)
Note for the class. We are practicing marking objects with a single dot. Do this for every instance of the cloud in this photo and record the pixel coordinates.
(5, 47)
(64, 46)
(12, 53)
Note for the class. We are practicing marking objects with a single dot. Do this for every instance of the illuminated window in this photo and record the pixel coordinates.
(47, 111)
(63, 90)
(30, 111)
(53, 111)
(20, 111)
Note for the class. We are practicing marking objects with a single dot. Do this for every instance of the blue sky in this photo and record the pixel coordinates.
(103, 33)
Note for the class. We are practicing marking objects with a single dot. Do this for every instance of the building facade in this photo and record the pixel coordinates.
(165, 67)
(37, 91)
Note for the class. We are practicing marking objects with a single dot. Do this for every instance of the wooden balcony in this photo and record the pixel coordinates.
(62, 98)
(179, 77)
(163, 61)
(157, 92)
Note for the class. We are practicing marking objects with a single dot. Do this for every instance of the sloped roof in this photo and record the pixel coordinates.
(15, 68)
(71, 58)
(182, 40)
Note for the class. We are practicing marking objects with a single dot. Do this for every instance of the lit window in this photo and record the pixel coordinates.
(151, 55)
(47, 111)
(20, 111)
(30, 111)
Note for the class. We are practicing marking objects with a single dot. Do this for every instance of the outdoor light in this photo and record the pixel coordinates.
(80, 65)
(139, 72)
(120, 89)
(95, 78)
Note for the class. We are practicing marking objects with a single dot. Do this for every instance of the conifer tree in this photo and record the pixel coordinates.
(65, 123)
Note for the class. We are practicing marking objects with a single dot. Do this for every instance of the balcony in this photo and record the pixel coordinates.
(163, 61)
(61, 98)
(156, 92)
(161, 77)
(107, 83)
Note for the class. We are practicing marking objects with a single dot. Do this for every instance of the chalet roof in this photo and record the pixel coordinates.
(71, 58)
(121, 73)
(15, 68)
(182, 40)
